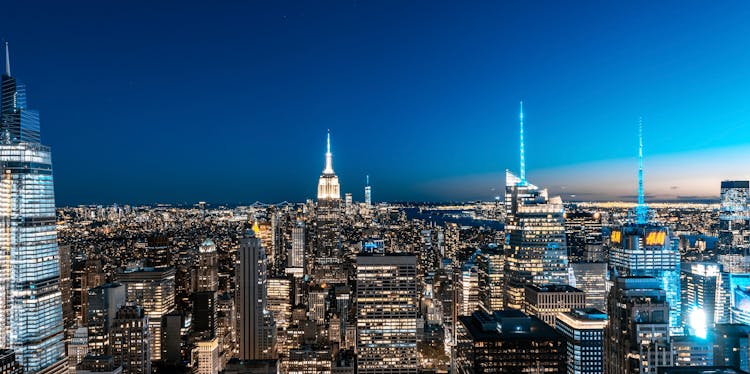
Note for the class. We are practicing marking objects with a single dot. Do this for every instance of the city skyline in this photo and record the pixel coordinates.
(429, 117)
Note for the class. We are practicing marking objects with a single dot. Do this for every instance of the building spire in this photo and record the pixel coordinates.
(523, 156)
(641, 210)
(7, 60)
(368, 180)
(329, 156)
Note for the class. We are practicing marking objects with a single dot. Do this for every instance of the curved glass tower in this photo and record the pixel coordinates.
(30, 299)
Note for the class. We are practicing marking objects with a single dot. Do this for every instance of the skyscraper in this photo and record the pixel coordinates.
(734, 217)
(154, 290)
(31, 322)
(645, 248)
(129, 338)
(103, 303)
(368, 193)
(256, 331)
(207, 278)
(584, 332)
(296, 258)
(328, 185)
(637, 340)
(705, 288)
(536, 250)
(386, 314)
(328, 262)
(206, 285)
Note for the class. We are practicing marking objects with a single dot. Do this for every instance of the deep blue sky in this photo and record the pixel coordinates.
(230, 100)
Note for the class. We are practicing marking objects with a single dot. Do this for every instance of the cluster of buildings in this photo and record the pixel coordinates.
(525, 284)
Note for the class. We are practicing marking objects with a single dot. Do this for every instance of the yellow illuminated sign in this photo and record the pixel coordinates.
(615, 237)
(656, 238)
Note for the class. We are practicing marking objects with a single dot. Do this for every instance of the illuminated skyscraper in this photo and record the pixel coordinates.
(536, 250)
(256, 331)
(644, 248)
(328, 185)
(154, 290)
(207, 278)
(636, 339)
(296, 258)
(206, 284)
(734, 217)
(31, 322)
(328, 263)
(368, 193)
(103, 303)
(129, 338)
(584, 332)
(386, 314)
(705, 288)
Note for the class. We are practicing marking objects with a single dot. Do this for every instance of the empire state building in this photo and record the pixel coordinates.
(328, 185)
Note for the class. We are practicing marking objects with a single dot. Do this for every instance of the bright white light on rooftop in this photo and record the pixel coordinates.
(698, 323)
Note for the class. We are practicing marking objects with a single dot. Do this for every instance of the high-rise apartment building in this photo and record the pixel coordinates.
(256, 331)
(387, 307)
(31, 315)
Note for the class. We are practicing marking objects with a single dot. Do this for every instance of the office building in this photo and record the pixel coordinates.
(644, 248)
(734, 217)
(536, 250)
(8, 363)
(103, 303)
(584, 334)
(591, 278)
(387, 310)
(206, 356)
(705, 289)
(368, 193)
(98, 365)
(637, 339)
(154, 290)
(508, 341)
(130, 339)
(78, 347)
(693, 350)
(256, 331)
(731, 345)
(31, 314)
(547, 301)
(296, 257)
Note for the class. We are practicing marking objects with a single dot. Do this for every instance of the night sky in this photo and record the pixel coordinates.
(229, 101)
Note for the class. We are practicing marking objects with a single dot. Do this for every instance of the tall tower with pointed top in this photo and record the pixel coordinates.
(328, 184)
(30, 300)
(368, 193)
(522, 172)
(642, 247)
(536, 249)
(641, 210)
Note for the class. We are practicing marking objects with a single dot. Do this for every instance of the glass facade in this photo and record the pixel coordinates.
(30, 299)
(536, 249)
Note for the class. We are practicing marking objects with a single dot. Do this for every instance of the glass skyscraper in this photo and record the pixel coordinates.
(30, 300)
